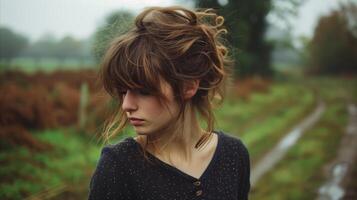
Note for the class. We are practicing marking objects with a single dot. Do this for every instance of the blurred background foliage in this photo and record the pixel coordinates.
(52, 107)
(116, 24)
(333, 48)
(246, 25)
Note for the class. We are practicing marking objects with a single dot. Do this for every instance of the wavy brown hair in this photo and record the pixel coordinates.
(176, 45)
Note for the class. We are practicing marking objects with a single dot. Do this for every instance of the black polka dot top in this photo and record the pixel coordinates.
(123, 173)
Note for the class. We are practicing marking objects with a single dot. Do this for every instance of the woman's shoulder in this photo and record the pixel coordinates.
(236, 151)
(124, 149)
(114, 164)
(232, 143)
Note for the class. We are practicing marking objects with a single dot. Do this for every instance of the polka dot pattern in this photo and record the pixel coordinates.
(123, 173)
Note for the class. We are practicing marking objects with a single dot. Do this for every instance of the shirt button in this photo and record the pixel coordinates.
(198, 192)
(197, 183)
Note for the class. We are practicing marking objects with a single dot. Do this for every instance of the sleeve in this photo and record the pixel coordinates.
(108, 180)
(245, 175)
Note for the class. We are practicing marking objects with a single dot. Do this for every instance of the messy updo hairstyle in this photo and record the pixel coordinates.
(176, 45)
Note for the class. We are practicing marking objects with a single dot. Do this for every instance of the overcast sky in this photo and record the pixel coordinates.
(80, 18)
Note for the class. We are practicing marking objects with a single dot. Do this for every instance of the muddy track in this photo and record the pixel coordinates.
(339, 172)
(270, 159)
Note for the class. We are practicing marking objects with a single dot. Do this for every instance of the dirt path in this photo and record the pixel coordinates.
(278, 152)
(339, 171)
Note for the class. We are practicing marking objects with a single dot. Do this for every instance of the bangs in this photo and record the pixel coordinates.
(133, 65)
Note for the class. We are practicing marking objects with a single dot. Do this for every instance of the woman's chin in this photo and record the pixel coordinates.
(141, 131)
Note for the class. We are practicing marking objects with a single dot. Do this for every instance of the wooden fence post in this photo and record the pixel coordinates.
(83, 103)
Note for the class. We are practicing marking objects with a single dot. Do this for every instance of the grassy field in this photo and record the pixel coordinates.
(31, 65)
(28, 173)
(302, 168)
(67, 167)
(260, 122)
(266, 115)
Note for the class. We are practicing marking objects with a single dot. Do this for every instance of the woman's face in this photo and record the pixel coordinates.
(146, 113)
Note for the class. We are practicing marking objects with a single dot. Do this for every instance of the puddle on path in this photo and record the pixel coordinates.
(332, 189)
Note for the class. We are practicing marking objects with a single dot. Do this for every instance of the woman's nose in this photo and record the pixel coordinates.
(129, 102)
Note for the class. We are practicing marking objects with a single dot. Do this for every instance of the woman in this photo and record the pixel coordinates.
(165, 73)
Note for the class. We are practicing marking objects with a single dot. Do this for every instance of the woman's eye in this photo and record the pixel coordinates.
(122, 93)
(144, 92)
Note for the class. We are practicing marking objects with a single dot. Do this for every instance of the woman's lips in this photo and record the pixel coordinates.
(136, 121)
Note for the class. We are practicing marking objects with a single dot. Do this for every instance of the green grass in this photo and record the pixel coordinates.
(71, 162)
(263, 120)
(25, 172)
(300, 173)
(335, 89)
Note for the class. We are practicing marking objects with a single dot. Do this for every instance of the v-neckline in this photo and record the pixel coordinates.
(180, 172)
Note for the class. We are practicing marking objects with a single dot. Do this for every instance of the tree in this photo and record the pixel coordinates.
(115, 25)
(68, 47)
(11, 44)
(333, 48)
(42, 48)
(246, 24)
(282, 12)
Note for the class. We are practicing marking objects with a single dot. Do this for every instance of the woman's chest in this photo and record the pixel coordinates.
(165, 183)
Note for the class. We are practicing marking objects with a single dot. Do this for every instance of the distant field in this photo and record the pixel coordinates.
(286, 71)
(47, 64)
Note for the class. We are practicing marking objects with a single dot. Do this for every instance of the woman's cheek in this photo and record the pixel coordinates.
(153, 107)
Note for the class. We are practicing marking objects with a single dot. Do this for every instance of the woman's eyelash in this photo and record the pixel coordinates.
(122, 92)
(137, 91)
(144, 92)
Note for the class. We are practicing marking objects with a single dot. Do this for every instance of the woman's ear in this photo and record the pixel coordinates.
(190, 88)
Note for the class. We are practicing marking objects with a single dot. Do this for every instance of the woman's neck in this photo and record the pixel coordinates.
(187, 134)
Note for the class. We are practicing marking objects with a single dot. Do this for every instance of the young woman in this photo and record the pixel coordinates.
(166, 73)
